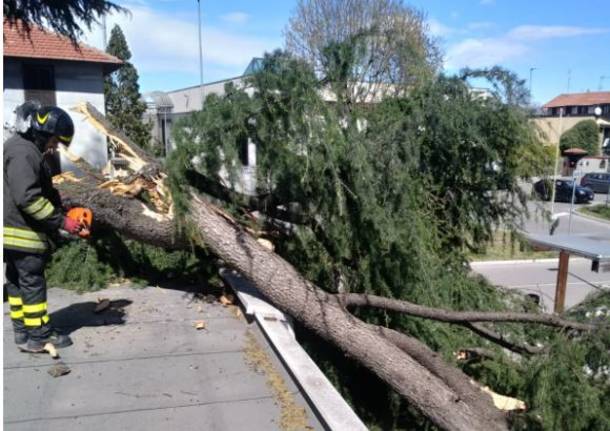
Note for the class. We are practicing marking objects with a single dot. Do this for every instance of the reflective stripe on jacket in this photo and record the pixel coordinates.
(31, 204)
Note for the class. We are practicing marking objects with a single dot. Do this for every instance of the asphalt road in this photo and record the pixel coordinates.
(579, 225)
(540, 278)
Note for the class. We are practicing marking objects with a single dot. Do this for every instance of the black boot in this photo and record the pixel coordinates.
(21, 334)
(37, 345)
(21, 337)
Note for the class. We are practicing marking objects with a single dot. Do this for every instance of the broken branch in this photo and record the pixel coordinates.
(442, 315)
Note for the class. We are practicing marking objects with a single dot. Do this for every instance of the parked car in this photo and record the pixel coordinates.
(563, 191)
(599, 182)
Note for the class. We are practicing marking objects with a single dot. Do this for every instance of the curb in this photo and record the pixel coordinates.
(332, 409)
(591, 217)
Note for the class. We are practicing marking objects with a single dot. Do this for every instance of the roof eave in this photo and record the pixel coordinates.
(108, 66)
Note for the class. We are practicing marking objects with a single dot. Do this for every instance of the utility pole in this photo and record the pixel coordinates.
(531, 70)
(569, 78)
(104, 32)
(553, 185)
(601, 82)
(200, 51)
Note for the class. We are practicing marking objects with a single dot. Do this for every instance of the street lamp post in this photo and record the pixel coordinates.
(598, 112)
(200, 50)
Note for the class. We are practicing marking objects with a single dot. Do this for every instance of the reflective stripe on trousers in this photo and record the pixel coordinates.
(27, 291)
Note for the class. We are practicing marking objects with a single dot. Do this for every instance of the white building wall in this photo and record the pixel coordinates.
(74, 83)
(77, 83)
(13, 94)
(191, 99)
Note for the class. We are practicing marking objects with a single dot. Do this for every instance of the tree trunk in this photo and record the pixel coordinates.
(323, 313)
(290, 292)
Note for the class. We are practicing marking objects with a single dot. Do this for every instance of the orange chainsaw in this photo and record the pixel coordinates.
(84, 217)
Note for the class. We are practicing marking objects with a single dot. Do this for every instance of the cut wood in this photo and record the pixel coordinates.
(102, 304)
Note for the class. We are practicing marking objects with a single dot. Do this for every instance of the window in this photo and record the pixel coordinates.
(242, 142)
(39, 83)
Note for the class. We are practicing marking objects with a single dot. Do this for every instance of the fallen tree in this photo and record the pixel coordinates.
(444, 394)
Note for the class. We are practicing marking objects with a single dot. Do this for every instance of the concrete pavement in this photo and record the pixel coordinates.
(141, 365)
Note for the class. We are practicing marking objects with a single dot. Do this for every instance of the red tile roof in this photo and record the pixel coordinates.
(41, 43)
(580, 99)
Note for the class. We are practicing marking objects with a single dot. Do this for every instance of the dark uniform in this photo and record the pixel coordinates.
(32, 213)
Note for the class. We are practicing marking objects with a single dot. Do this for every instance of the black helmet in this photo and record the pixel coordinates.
(53, 121)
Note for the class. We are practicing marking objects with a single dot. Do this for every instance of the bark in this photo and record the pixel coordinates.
(456, 379)
(323, 314)
(500, 340)
(130, 217)
(423, 379)
(451, 316)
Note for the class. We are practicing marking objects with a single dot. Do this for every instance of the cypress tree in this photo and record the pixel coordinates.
(124, 108)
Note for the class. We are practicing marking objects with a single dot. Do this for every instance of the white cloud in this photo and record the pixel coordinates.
(236, 17)
(539, 32)
(161, 42)
(482, 52)
(438, 29)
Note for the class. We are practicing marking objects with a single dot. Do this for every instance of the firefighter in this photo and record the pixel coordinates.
(33, 215)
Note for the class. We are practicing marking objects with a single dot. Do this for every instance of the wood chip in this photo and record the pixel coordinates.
(266, 243)
(503, 402)
(200, 309)
(50, 348)
(227, 299)
(59, 369)
(199, 324)
(67, 176)
(461, 355)
(102, 304)
(236, 311)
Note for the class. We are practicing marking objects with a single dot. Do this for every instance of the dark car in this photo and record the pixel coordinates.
(599, 182)
(563, 191)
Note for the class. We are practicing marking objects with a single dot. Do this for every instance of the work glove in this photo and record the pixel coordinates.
(71, 226)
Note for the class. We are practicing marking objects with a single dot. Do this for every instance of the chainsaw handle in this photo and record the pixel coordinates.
(84, 217)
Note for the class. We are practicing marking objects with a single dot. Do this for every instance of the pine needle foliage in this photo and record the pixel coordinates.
(107, 258)
(67, 17)
(390, 197)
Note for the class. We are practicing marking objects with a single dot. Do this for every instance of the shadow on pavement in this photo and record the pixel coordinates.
(76, 316)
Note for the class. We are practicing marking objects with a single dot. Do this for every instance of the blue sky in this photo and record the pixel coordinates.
(559, 38)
